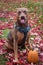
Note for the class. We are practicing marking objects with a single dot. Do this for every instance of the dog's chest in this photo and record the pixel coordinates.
(20, 36)
(21, 33)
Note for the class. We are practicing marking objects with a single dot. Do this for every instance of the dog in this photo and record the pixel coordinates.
(19, 35)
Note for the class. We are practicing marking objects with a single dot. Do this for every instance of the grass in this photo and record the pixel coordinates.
(3, 19)
(3, 60)
(5, 33)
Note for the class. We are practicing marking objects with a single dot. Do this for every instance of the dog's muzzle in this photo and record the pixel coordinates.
(23, 19)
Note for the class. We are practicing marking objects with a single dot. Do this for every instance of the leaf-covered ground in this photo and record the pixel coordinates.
(7, 19)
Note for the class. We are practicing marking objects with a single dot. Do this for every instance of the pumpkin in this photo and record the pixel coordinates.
(33, 56)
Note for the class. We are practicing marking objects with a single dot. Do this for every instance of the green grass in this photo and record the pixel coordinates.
(3, 19)
(3, 60)
(5, 33)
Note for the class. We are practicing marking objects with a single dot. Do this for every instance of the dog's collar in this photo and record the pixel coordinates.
(21, 29)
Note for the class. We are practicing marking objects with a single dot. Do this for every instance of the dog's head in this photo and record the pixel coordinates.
(22, 16)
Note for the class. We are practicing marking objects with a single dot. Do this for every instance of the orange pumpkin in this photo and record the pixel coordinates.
(33, 56)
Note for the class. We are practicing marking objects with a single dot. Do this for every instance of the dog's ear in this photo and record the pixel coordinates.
(25, 9)
(17, 9)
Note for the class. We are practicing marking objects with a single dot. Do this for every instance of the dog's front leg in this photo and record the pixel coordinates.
(15, 51)
(15, 45)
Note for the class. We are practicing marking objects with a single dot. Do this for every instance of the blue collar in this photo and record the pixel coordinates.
(22, 30)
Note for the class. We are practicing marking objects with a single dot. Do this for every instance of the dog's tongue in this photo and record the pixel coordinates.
(22, 21)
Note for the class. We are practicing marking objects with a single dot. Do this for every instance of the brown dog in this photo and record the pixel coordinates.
(19, 36)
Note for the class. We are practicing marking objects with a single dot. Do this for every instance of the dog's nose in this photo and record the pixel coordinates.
(22, 17)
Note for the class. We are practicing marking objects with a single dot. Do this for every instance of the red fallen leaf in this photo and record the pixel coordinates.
(37, 39)
(41, 46)
(21, 62)
(10, 26)
(12, 13)
(34, 30)
(41, 41)
(41, 54)
(41, 59)
(2, 27)
(1, 43)
(40, 32)
(38, 27)
(9, 63)
(6, 15)
(4, 50)
(31, 23)
(1, 14)
(3, 40)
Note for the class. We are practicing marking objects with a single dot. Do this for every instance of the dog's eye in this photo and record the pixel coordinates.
(25, 12)
(19, 12)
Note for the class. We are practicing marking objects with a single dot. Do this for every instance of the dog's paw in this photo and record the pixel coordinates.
(16, 61)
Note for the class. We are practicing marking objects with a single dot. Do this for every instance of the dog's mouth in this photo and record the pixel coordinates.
(22, 19)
